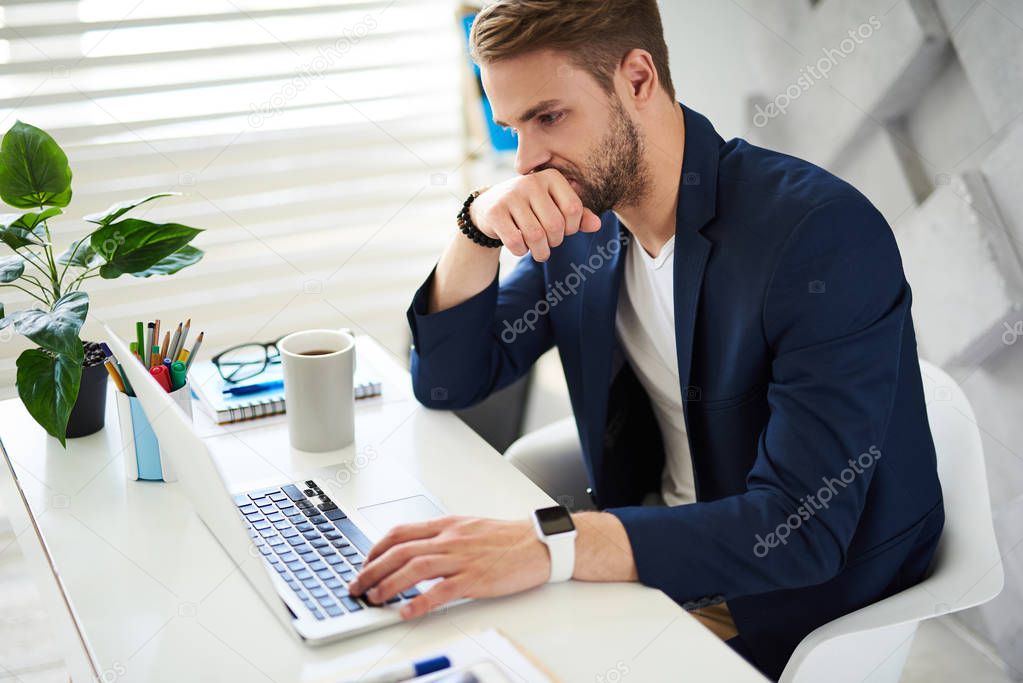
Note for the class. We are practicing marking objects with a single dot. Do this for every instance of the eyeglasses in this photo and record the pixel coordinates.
(245, 361)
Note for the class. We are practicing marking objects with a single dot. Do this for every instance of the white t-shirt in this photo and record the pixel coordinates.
(645, 323)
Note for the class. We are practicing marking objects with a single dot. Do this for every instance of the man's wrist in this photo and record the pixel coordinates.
(467, 225)
(474, 210)
(555, 529)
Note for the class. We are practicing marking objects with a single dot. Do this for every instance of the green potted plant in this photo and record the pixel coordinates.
(62, 381)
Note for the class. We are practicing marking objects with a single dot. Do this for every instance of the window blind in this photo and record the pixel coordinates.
(318, 143)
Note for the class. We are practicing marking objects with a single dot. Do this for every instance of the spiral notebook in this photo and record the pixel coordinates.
(208, 385)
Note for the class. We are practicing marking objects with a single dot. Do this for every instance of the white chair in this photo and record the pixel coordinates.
(552, 458)
(872, 643)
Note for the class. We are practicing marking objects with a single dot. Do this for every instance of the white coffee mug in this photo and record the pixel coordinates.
(319, 370)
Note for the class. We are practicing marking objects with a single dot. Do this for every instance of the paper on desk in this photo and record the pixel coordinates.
(493, 646)
(473, 648)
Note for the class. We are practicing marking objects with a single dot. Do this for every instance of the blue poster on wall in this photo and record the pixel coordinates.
(501, 139)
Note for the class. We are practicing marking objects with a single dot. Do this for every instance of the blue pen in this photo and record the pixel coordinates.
(243, 389)
(404, 672)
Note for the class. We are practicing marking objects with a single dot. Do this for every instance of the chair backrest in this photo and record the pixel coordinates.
(967, 569)
(871, 644)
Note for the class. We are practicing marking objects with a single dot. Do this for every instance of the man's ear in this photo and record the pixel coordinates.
(640, 75)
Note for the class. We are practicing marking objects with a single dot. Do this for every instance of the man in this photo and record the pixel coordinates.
(734, 326)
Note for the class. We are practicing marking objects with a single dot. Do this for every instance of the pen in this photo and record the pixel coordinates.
(140, 338)
(123, 385)
(195, 350)
(124, 377)
(112, 371)
(244, 389)
(177, 370)
(145, 350)
(160, 373)
(403, 672)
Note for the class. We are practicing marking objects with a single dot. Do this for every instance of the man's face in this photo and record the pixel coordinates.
(565, 121)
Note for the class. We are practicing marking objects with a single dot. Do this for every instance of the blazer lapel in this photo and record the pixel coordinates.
(597, 340)
(691, 252)
(696, 208)
(697, 200)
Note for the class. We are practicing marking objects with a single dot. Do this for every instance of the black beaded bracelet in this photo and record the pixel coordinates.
(470, 230)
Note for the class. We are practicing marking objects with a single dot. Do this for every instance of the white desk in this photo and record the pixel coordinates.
(157, 599)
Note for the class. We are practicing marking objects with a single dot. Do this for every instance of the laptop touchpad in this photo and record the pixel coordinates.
(383, 516)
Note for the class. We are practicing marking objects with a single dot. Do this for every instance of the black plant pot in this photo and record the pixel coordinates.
(89, 413)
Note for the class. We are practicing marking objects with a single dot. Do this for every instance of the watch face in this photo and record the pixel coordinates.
(554, 520)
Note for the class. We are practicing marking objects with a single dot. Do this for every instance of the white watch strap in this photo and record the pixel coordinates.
(562, 551)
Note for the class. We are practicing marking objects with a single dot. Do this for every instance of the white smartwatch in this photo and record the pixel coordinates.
(554, 527)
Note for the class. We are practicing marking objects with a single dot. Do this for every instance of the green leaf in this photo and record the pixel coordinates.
(84, 255)
(57, 329)
(182, 258)
(48, 386)
(33, 169)
(120, 208)
(132, 245)
(18, 230)
(11, 268)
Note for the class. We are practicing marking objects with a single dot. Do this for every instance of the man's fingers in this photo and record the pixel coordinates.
(551, 220)
(533, 234)
(509, 234)
(373, 571)
(590, 221)
(567, 201)
(440, 594)
(417, 569)
(407, 532)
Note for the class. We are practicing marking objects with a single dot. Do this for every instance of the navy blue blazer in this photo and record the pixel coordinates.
(817, 490)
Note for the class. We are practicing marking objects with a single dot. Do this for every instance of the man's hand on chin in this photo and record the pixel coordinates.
(477, 558)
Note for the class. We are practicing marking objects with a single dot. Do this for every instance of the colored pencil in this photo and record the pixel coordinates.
(184, 338)
(172, 351)
(165, 347)
(195, 350)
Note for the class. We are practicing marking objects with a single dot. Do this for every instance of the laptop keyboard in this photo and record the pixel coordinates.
(311, 543)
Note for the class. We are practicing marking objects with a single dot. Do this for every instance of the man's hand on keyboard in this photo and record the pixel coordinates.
(476, 558)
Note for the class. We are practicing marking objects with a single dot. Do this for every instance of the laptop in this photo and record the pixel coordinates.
(299, 543)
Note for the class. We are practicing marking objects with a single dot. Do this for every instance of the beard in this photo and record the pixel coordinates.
(614, 173)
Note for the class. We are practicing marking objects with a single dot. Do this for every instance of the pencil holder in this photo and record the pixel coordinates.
(142, 461)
